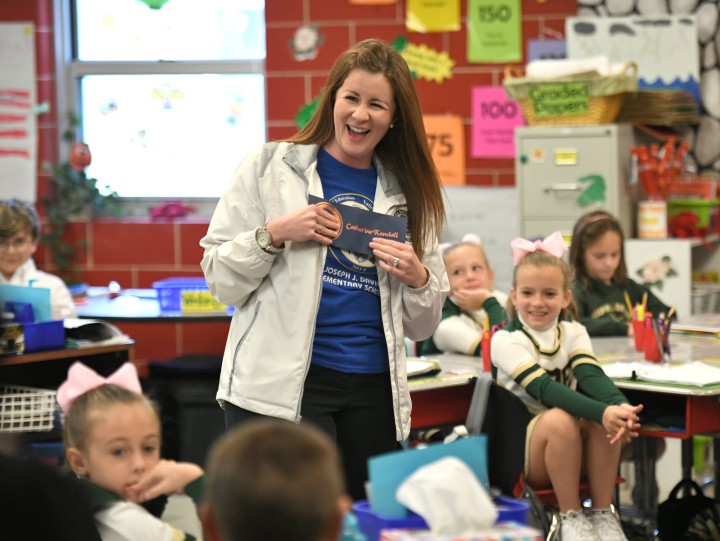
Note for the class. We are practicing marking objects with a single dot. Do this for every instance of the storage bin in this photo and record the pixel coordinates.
(371, 524)
(26, 409)
(18, 338)
(705, 209)
(573, 100)
(188, 295)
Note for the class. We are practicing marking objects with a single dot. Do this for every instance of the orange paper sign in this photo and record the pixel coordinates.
(446, 137)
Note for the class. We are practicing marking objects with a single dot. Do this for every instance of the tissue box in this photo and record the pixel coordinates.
(372, 524)
(508, 531)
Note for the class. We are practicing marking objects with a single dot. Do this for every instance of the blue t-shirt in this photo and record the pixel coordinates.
(349, 334)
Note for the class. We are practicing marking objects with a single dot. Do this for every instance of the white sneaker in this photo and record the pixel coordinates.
(606, 524)
(574, 526)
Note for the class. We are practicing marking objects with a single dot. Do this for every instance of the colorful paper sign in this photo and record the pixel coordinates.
(433, 15)
(426, 63)
(494, 31)
(546, 49)
(495, 117)
(446, 137)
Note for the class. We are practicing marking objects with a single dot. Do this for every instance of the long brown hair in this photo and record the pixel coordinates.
(588, 229)
(404, 150)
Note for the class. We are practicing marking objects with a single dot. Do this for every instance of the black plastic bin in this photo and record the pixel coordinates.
(185, 389)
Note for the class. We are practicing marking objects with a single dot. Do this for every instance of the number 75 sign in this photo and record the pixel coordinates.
(494, 117)
(446, 139)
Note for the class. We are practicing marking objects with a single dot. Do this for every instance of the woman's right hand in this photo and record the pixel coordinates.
(308, 223)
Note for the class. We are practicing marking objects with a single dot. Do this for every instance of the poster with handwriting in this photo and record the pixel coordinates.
(18, 133)
(493, 31)
(446, 137)
(495, 117)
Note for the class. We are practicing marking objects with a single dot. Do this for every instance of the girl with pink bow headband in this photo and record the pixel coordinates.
(112, 443)
(575, 418)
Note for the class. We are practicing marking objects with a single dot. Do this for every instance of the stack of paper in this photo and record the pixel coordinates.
(695, 373)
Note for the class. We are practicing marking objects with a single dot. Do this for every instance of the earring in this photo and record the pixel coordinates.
(392, 125)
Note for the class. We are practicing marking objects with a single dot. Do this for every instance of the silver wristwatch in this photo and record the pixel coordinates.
(264, 240)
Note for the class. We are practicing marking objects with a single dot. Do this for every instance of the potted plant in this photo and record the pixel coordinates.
(73, 194)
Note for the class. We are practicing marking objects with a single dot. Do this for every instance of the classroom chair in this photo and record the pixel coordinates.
(497, 413)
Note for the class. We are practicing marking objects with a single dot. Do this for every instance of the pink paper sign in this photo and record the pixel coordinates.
(494, 117)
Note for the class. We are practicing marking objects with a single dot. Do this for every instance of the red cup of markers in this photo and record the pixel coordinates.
(652, 348)
(639, 334)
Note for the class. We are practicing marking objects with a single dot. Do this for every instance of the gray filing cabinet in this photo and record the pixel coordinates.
(563, 172)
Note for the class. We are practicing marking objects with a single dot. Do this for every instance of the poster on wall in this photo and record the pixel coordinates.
(18, 134)
(494, 118)
(446, 138)
(664, 47)
(493, 31)
(433, 15)
(546, 49)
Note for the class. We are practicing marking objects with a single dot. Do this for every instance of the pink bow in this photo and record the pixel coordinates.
(553, 244)
(469, 238)
(82, 379)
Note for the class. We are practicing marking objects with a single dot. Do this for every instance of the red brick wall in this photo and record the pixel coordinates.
(138, 252)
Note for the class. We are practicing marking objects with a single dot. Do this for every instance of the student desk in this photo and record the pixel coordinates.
(444, 399)
(48, 369)
(694, 409)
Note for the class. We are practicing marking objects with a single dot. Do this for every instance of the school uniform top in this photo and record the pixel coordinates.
(61, 301)
(603, 308)
(461, 331)
(553, 368)
(120, 520)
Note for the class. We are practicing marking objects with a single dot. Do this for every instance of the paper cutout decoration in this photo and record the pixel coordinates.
(426, 63)
(594, 192)
(306, 42)
(436, 16)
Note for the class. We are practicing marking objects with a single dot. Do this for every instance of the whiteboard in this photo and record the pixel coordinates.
(490, 213)
(18, 125)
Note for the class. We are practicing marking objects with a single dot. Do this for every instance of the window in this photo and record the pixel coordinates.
(170, 93)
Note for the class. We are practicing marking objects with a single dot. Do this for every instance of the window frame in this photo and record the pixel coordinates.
(69, 72)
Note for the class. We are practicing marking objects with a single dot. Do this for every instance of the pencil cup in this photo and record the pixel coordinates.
(652, 348)
(639, 334)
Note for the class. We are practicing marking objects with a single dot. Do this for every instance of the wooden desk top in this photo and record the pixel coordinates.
(67, 353)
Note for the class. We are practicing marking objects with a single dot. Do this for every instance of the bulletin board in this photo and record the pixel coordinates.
(490, 213)
(18, 132)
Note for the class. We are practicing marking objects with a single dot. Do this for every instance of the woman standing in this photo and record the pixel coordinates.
(318, 332)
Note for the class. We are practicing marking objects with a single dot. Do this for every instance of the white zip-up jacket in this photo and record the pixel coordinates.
(276, 297)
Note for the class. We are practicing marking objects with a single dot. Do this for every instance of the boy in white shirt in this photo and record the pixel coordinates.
(19, 237)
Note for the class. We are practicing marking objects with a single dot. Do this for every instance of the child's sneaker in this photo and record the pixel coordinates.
(574, 526)
(606, 524)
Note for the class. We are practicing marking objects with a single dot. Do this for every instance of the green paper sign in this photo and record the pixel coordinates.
(563, 99)
(494, 31)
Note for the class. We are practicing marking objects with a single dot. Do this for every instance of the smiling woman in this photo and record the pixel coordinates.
(271, 254)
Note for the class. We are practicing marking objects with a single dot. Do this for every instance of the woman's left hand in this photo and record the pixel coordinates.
(399, 259)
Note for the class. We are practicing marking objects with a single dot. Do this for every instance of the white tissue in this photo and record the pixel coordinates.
(448, 495)
(552, 68)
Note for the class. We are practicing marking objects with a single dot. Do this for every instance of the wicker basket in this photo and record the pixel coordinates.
(26, 409)
(578, 100)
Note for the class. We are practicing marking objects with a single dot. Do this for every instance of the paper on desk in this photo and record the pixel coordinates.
(82, 333)
(417, 367)
(695, 373)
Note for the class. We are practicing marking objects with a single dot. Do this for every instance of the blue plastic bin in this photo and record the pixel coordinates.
(371, 524)
(44, 335)
(170, 293)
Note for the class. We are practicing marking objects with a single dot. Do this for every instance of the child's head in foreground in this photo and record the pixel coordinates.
(19, 233)
(111, 430)
(597, 251)
(272, 479)
(541, 288)
(467, 264)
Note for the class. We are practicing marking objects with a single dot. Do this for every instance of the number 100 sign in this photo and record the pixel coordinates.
(494, 117)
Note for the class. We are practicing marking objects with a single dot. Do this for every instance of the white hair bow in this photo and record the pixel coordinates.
(469, 238)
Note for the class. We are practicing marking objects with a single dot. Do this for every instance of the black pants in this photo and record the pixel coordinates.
(355, 410)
